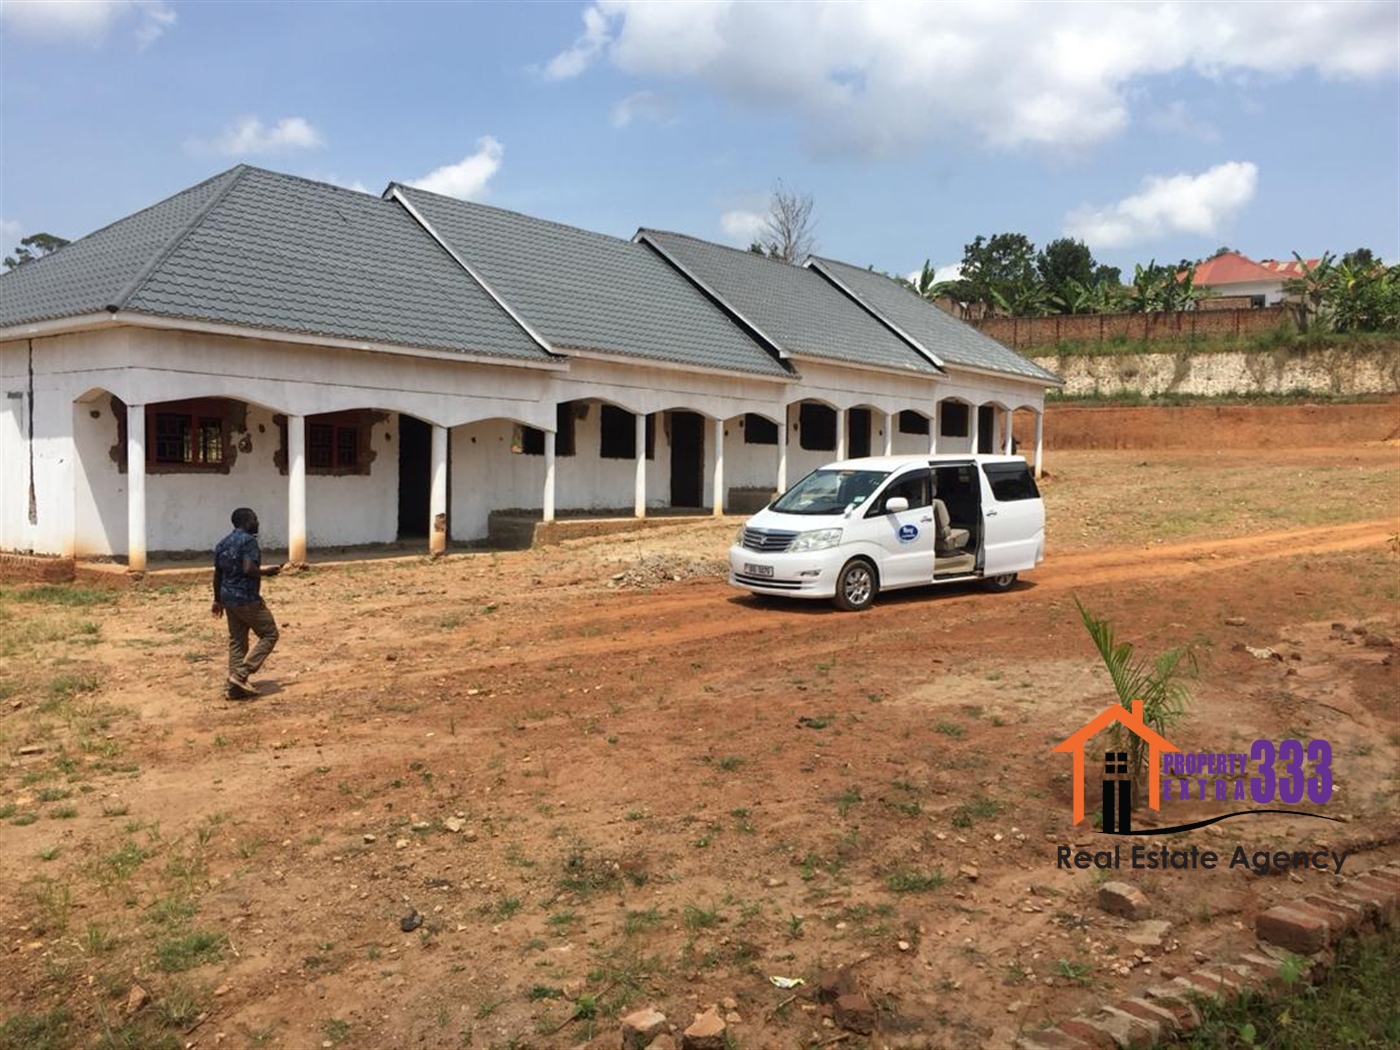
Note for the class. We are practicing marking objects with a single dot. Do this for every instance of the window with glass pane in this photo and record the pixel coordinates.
(320, 446)
(172, 438)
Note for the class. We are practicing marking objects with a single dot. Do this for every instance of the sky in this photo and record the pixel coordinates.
(1149, 130)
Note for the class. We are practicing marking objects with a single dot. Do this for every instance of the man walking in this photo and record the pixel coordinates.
(238, 573)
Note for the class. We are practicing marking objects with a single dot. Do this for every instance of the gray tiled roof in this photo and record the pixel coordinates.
(588, 291)
(798, 309)
(952, 341)
(90, 274)
(258, 249)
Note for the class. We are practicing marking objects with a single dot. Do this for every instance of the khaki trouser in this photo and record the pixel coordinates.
(255, 617)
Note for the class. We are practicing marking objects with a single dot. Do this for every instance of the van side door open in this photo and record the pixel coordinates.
(1014, 517)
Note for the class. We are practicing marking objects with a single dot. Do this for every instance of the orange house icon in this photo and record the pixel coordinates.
(1156, 744)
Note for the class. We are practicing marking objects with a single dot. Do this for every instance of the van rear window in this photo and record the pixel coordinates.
(1011, 482)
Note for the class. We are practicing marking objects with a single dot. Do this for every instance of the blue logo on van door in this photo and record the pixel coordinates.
(908, 533)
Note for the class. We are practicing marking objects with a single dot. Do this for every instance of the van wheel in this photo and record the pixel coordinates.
(855, 586)
(1003, 582)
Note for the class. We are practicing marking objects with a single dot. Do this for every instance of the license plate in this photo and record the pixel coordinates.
(758, 570)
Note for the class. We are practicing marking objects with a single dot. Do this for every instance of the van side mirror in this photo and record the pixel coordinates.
(896, 504)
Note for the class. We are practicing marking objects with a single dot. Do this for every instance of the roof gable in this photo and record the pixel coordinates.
(92, 273)
(796, 308)
(268, 251)
(949, 340)
(1233, 268)
(587, 291)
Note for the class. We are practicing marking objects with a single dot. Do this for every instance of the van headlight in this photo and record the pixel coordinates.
(816, 540)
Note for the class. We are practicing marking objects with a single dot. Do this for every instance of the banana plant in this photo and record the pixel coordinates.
(1160, 684)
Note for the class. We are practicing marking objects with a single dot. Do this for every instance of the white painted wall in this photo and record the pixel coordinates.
(81, 495)
(1272, 291)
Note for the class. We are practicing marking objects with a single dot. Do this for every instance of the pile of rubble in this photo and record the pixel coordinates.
(653, 569)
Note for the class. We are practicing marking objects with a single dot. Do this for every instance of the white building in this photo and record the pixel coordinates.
(361, 369)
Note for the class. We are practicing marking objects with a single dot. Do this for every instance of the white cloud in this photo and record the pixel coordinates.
(10, 231)
(570, 63)
(467, 178)
(883, 78)
(249, 135)
(642, 106)
(948, 272)
(742, 227)
(87, 20)
(1193, 204)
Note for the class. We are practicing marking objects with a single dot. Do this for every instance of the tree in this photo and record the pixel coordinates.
(1360, 259)
(35, 246)
(1159, 684)
(1309, 290)
(789, 231)
(997, 270)
(1062, 261)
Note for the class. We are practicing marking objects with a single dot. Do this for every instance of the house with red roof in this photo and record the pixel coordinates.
(1233, 276)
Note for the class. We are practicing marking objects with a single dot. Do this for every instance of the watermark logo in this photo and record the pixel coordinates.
(1279, 774)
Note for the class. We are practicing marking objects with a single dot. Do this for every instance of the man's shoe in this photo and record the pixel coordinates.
(238, 688)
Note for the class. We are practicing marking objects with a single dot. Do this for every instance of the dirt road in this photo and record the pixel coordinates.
(597, 795)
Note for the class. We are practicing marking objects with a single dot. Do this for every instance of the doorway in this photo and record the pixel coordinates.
(687, 459)
(986, 429)
(858, 432)
(415, 476)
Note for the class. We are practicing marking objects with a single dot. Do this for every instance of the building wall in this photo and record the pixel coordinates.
(80, 502)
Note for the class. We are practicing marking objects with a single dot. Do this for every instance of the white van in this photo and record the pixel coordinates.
(852, 529)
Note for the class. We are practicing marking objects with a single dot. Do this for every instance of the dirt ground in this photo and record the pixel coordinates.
(603, 779)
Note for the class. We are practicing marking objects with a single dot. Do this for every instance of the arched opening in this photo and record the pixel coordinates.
(956, 420)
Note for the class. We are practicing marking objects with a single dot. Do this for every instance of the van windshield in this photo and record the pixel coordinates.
(830, 491)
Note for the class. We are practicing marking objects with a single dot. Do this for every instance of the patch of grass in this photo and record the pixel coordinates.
(25, 819)
(544, 991)
(847, 799)
(336, 1031)
(66, 686)
(697, 918)
(36, 1031)
(53, 794)
(196, 948)
(1354, 1006)
(561, 920)
(507, 907)
(55, 903)
(980, 808)
(638, 921)
(908, 880)
(1074, 971)
(951, 729)
(121, 864)
(51, 853)
(63, 812)
(729, 763)
(586, 875)
(179, 1006)
(60, 594)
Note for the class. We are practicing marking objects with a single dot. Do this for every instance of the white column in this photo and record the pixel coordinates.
(549, 437)
(1010, 419)
(719, 468)
(890, 419)
(639, 497)
(782, 448)
(296, 489)
(1039, 439)
(972, 414)
(437, 493)
(840, 433)
(136, 488)
(933, 431)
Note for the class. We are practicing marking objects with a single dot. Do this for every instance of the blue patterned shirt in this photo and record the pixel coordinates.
(236, 587)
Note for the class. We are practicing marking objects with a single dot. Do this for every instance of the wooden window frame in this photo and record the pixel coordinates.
(199, 415)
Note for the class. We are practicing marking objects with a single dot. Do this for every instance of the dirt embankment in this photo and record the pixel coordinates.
(1207, 427)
